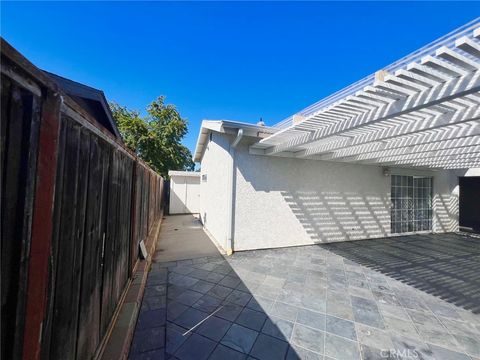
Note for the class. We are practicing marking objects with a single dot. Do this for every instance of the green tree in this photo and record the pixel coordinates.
(156, 138)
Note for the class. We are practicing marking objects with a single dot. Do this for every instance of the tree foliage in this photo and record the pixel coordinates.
(156, 138)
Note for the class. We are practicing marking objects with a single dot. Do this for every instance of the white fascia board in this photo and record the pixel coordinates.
(227, 127)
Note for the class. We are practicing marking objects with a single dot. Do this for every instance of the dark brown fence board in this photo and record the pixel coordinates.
(12, 208)
(20, 131)
(51, 290)
(6, 272)
(69, 254)
(90, 298)
(80, 224)
(109, 247)
(146, 204)
(117, 286)
(133, 248)
(32, 117)
(63, 322)
(121, 259)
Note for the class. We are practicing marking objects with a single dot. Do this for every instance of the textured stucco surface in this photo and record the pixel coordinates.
(214, 190)
(282, 202)
(285, 202)
(445, 201)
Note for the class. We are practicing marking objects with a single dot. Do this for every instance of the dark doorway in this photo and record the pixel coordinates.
(469, 207)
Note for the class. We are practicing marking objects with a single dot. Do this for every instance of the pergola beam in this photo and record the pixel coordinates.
(414, 128)
(462, 133)
(387, 152)
(469, 46)
(446, 91)
(433, 154)
(459, 161)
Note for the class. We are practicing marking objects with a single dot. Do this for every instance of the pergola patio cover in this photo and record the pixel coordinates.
(422, 111)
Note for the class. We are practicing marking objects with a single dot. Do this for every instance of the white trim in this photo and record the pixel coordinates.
(184, 173)
(227, 127)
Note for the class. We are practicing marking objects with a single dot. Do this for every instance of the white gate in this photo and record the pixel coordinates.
(184, 192)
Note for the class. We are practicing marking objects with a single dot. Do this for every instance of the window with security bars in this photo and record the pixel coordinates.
(411, 203)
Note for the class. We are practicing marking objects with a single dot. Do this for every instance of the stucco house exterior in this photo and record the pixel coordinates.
(384, 157)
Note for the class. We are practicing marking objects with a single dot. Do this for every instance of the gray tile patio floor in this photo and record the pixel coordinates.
(357, 300)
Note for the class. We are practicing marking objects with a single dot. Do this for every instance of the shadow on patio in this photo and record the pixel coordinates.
(444, 265)
(196, 306)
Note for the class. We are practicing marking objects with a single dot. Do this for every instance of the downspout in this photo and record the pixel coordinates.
(231, 192)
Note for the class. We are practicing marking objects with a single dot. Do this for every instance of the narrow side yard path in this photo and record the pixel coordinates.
(297, 303)
(182, 237)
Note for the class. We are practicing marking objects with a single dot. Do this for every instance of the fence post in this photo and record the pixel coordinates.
(42, 225)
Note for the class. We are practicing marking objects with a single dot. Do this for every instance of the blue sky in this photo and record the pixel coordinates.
(224, 60)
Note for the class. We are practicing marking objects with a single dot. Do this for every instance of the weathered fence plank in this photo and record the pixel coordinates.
(90, 298)
(19, 147)
(113, 204)
(63, 322)
(48, 320)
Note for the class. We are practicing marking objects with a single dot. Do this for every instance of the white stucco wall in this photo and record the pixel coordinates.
(286, 202)
(213, 192)
(445, 201)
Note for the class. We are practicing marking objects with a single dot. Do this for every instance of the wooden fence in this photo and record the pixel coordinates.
(75, 206)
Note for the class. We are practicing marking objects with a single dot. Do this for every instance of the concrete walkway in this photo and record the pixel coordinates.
(182, 237)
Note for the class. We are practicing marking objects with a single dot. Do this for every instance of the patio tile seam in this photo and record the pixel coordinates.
(418, 329)
(421, 337)
(200, 335)
(424, 341)
(452, 335)
(311, 350)
(351, 305)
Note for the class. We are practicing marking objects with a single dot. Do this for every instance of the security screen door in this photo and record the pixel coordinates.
(411, 204)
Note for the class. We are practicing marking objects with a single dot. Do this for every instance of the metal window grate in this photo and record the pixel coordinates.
(411, 209)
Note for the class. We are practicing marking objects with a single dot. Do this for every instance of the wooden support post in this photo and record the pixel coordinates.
(42, 226)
